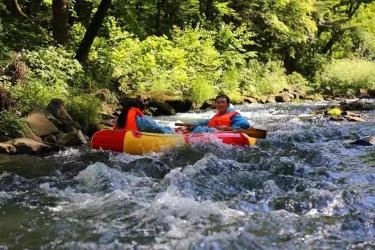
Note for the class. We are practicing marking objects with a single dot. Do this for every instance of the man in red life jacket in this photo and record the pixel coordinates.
(225, 117)
(132, 118)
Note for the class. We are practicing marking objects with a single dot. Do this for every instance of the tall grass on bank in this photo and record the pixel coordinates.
(347, 76)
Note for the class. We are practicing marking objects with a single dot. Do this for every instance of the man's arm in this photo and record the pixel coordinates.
(148, 125)
(239, 121)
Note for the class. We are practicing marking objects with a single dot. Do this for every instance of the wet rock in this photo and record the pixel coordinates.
(40, 125)
(363, 93)
(148, 167)
(209, 104)
(50, 139)
(263, 99)
(180, 106)
(73, 138)
(368, 141)
(354, 118)
(250, 100)
(337, 118)
(282, 97)
(271, 99)
(351, 113)
(7, 148)
(296, 92)
(160, 108)
(64, 121)
(29, 146)
(356, 104)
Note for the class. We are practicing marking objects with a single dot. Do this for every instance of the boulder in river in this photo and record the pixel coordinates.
(208, 104)
(29, 146)
(40, 125)
(358, 104)
(73, 138)
(282, 97)
(60, 117)
(160, 108)
(180, 106)
(368, 141)
(250, 100)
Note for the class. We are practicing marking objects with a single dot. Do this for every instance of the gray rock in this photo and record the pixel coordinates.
(354, 118)
(250, 100)
(28, 133)
(180, 106)
(29, 146)
(40, 125)
(368, 141)
(209, 104)
(160, 108)
(282, 97)
(61, 117)
(73, 138)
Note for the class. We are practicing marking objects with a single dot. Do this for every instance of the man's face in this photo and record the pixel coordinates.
(221, 104)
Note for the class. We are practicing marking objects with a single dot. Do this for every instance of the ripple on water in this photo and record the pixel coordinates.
(305, 186)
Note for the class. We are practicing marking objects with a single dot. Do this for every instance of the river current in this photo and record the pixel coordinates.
(305, 186)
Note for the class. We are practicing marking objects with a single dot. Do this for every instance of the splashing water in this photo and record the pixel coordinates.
(305, 186)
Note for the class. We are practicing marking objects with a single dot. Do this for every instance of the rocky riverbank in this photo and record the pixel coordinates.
(53, 128)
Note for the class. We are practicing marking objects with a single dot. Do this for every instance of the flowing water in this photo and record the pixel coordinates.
(304, 187)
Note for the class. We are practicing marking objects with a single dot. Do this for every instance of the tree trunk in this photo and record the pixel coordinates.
(60, 24)
(209, 11)
(92, 31)
(16, 7)
(158, 16)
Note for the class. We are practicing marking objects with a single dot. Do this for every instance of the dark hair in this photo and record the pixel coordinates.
(127, 104)
(223, 96)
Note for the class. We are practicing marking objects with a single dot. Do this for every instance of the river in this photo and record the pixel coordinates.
(305, 186)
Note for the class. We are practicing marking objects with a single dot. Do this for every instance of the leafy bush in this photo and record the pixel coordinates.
(202, 90)
(260, 79)
(346, 76)
(298, 80)
(11, 124)
(85, 109)
(51, 70)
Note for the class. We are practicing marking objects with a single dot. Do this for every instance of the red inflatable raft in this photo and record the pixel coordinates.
(134, 142)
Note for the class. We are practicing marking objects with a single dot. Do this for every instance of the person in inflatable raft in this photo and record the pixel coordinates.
(132, 118)
(225, 117)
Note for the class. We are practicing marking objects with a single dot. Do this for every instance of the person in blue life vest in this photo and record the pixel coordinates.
(226, 117)
(132, 118)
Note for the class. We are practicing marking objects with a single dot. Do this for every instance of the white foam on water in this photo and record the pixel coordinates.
(68, 152)
(187, 218)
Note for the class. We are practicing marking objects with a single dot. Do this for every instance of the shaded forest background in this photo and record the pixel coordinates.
(192, 49)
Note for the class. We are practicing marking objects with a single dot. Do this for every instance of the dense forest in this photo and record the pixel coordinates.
(192, 49)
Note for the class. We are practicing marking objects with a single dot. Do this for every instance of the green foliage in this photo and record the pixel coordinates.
(11, 124)
(296, 79)
(50, 71)
(84, 108)
(53, 64)
(202, 90)
(346, 76)
(260, 79)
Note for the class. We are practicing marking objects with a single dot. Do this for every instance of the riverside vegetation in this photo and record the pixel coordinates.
(69, 50)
